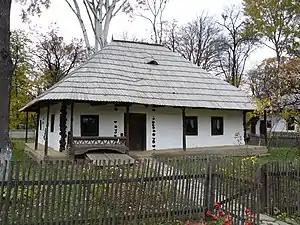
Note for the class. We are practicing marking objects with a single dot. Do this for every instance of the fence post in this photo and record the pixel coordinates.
(262, 179)
(209, 185)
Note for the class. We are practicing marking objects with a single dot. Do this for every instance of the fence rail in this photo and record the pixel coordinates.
(277, 139)
(151, 191)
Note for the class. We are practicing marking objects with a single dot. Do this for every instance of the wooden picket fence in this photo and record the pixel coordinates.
(148, 191)
(280, 192)
(277, 139)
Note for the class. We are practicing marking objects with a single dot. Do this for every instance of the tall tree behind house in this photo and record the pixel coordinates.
(155, 10)
(100, 13)
(21, 89)
(274, 21)
(219, 47)
(197, 40)
(235, 46)
(54, 58)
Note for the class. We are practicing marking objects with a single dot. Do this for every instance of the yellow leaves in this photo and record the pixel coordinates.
(275, 85)
(252, 159)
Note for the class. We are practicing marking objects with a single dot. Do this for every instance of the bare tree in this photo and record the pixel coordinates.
(171, 39)
(155, 8)
(54, 58)
(276, 88)
(197, 41)
(100, 14)
(127, 37)
(235, 45)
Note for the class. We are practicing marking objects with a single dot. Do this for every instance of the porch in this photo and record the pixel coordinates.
(78, 147)
(82, 145)
(38, 154)
(234, 150)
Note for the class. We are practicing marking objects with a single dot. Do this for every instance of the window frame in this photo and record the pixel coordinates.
(196, 131)
(97, 128)
(52, 123)
(213, 131)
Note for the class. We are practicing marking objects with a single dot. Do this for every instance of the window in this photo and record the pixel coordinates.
(89, 125)
(291, 123)
(153, 62)
(217, 126)
(52, 123)
(40, 124)
(269, 124)
(191, 125)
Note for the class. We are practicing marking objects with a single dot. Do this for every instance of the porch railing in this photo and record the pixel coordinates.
(81, 145)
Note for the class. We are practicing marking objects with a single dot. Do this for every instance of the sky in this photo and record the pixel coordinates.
(181, 10)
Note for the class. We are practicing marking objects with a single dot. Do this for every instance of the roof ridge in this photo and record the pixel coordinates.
(137, 42)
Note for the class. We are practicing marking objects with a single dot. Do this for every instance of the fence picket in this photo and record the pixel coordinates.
(147, 191)
(5, 165)
(15, 194)
(32, 194)
(64, 189)
(7, 196)
(26, 195)
(78, 198)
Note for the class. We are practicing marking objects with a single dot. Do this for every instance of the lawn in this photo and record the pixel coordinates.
(18, 150)
(281, 154)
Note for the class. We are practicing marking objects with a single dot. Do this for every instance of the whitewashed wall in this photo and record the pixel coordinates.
(53, 137)
(168, 124)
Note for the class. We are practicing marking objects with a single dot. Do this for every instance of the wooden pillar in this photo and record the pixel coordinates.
(26, 128)
(265, 128)
(183, 130)
(127, 126)
(47, 132)
(63, 126)
(72, 118)
(37, 129)
(70, 133)
(245, 125)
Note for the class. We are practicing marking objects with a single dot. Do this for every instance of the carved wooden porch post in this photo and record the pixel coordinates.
(265, 128)
(245, 125)
(26, 128)
(127, 126)
(183, 130)
(37, 129)
(70, 134)
(47, 132)
(71, 118)
(63, 126)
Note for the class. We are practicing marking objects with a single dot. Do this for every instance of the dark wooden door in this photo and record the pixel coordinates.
(262, 127)
(137, 131)
(253, 128)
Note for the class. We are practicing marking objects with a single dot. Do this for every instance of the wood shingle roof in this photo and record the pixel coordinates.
(121, 72)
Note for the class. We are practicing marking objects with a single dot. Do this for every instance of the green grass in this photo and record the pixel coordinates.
(281, 154)
(18, 150)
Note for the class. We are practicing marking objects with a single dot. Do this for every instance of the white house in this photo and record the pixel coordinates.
(142, 96)
(274, 124)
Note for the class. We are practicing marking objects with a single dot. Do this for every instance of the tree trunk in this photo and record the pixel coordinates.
(5, 70)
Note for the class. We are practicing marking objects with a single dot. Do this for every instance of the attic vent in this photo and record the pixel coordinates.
(153, 62)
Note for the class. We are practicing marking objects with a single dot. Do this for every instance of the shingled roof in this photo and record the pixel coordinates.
(148, 74)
